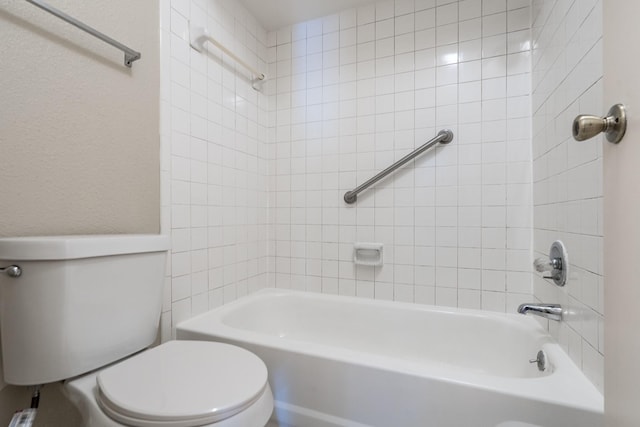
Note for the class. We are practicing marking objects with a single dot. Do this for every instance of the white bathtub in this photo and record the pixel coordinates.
(341, 361)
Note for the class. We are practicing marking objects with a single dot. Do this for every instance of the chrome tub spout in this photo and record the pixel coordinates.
(549, 311)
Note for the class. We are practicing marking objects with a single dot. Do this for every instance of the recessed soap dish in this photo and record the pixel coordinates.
(367, 253)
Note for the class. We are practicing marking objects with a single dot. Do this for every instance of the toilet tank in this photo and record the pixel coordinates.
(81, 302)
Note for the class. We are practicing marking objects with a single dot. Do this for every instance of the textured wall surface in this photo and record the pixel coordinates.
(568, 196)
(79, 138)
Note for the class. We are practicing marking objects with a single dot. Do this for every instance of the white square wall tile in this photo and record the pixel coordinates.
(470, 9)
(447, 75)
(425, 19)
(424, 4)
(348, 18)
(366, 14)
(518, 19)
(470, 30)
(385, 47)
(470, 50)
(384, 10)
(493, 6)
(494, 24)
(493, 301)
(494, 67)
(403, 7)
(447, 14)
(470, 71)
(447, 297)
(404, 43)
(518, 63)
(424, 40)
(447, 54)
(469, 298)
(447, 34)
(494, 45)
(384, 29)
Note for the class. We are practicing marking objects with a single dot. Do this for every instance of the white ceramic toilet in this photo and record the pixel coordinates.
(85, 308)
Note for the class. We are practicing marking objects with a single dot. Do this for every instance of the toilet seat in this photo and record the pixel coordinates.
(182, 384)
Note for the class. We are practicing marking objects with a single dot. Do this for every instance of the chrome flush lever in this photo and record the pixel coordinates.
(613, 125)
(12, 271)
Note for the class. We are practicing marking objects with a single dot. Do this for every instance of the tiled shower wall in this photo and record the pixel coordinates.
(567, 81)
(355, 91)
(214, 159)
(253, 181)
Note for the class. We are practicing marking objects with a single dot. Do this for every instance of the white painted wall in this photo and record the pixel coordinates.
(79, 140)
(567, 175)
(621, 213)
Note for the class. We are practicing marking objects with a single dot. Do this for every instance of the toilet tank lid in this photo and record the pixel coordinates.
(44, 248)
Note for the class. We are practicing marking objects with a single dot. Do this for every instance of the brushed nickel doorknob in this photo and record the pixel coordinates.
(613, 125)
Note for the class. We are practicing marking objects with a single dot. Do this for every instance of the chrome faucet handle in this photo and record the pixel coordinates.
(556, 264)
(541, 264)
(553, 265)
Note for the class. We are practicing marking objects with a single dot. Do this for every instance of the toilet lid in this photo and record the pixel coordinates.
(184, 383)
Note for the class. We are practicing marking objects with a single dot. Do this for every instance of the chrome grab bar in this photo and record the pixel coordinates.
(130, 55)
(445, 136)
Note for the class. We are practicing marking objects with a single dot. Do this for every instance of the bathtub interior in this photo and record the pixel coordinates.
(483, 343)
